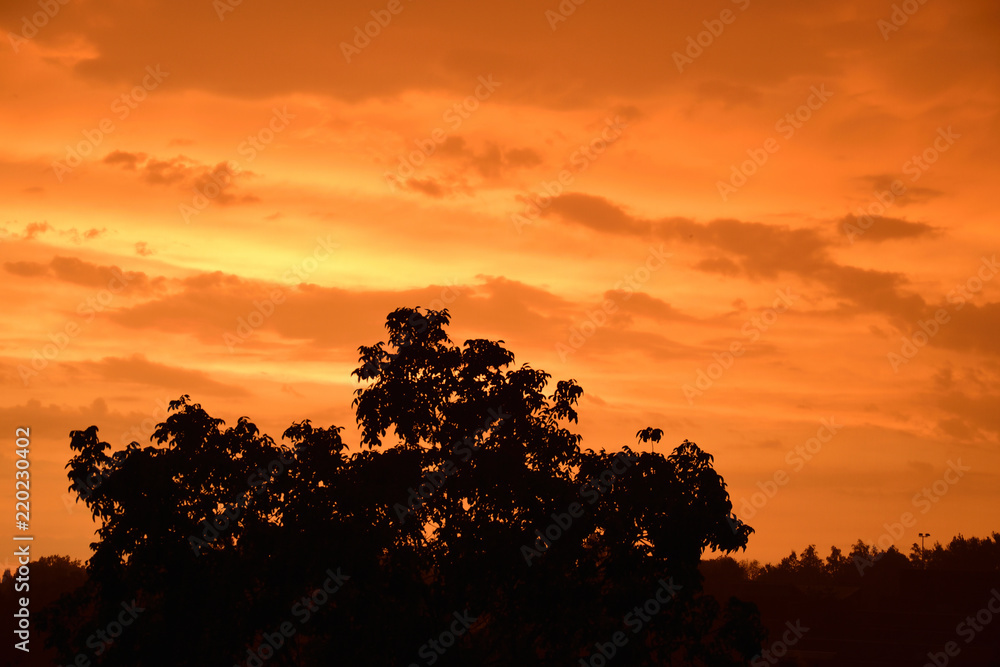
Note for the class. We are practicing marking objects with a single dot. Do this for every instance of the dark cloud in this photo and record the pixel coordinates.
(596, 213)
(491, 162)
(79, 237)
(446, 46)
(427, 186)
(186, 174)
(757, 249)
(973, 328)
(126, 160)
(26, 269)
(137, 369)
(79, 272)
(36, 228)
(216, 307)
(644, 305)
(877, 229)
(761, 251)
(882, 184)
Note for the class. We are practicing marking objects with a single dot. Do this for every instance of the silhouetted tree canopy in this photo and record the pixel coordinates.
(469, 498)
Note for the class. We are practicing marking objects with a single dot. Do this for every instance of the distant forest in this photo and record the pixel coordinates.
(962, 554)
(872, 607)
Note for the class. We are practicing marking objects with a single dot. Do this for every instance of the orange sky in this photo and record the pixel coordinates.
(621, 204)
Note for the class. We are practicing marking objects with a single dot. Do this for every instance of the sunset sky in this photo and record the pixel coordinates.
(667, 202)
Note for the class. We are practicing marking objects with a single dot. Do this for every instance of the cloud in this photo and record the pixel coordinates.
(492, 163)
(721, 265)
(597, 213)
(167, 172)
(184, 173)
(87, 235)
(969, 397)
(428, 186)
(26, 269)
(34, 229)
(878, 229)
(522, 157)
(117, 428)
(973, 328)
(80, 272)
(210, 306)
(125, 160)
(137, 369)
(644, 305)
(59, 419)
(761, 251)
(456, 43)
(913, 194)
(754, 249)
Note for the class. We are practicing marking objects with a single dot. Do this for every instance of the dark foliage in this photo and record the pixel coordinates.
(469, 497)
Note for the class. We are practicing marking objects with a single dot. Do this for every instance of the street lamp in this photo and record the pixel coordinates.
(923, 553)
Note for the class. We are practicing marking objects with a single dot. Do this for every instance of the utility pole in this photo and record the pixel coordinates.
(923, 552)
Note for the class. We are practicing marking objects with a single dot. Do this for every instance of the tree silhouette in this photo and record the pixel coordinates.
(469, 528)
